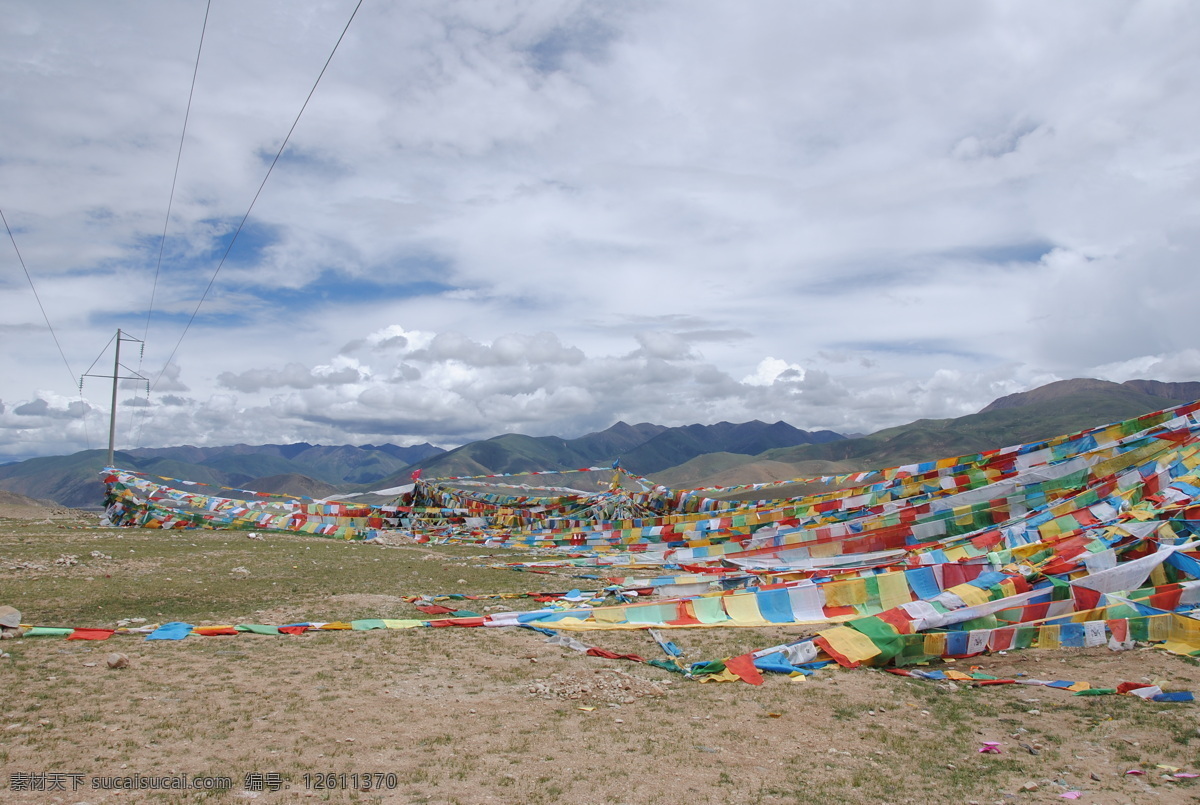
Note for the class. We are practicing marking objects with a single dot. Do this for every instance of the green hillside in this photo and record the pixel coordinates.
(512, 452)
(681, 457)
(931, 439)
(241, 469)
(69, 480)
(346, 464)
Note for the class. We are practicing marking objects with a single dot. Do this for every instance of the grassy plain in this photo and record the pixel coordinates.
(498, 715)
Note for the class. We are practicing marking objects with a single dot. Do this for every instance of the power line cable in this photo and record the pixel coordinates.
(162, 245)
(175, 177)
(41, 307)
(78, 384)
(254, 200)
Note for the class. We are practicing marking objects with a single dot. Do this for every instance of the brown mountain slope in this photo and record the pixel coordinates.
(1057, 408)
(1168, 392)
(732, 469)
(20, 507)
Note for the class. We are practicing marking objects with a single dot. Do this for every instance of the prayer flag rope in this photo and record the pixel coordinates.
(1087, 539)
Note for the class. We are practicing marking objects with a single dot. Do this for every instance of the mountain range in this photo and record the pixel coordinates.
(317, 471)
(724, 454)
(643, 448)
(74, 480)
(1061, 407)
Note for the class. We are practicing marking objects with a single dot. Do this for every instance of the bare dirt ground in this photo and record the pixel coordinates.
(500, 716)
(19, 507)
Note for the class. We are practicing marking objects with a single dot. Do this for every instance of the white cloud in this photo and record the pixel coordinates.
(547, 216)
(772, 370)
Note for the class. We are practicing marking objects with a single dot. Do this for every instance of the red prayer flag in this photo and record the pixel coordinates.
(91, 634)
(743, 667)
(612, 655)
(1085, 598)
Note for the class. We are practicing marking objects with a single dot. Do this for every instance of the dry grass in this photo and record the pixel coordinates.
(487, 715)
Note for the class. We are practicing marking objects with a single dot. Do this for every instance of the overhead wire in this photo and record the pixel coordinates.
(254, 200)
(33, 288)
(175, 177)
(167, 220)
(29, 277)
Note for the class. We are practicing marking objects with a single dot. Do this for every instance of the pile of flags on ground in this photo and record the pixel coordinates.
(1087, 539)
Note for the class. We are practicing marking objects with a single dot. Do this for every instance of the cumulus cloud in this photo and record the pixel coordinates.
(293, 375)
(37, 407)
(55, 408)
(545, 217)
(508, 350)
(774, 370)
(667, 346)
(168, 379)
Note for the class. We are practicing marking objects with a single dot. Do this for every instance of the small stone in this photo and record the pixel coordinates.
(116, 660)
(1030, 786)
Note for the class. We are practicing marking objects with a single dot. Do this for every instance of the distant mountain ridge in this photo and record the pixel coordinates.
(318, 471)
(643, 448)
(674, 446)
(74, 480)
(724, 454)
(341, 464)
(1177, 392)
(1054, 409)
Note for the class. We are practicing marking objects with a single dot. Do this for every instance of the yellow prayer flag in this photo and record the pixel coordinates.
(743, 609)
(1047, 637)
(935, 644)
(853, 645)
(845, 593)
(970, 594)
(609, 614)
(893, 590)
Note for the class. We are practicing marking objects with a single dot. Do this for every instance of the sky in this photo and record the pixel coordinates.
(547, 216)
